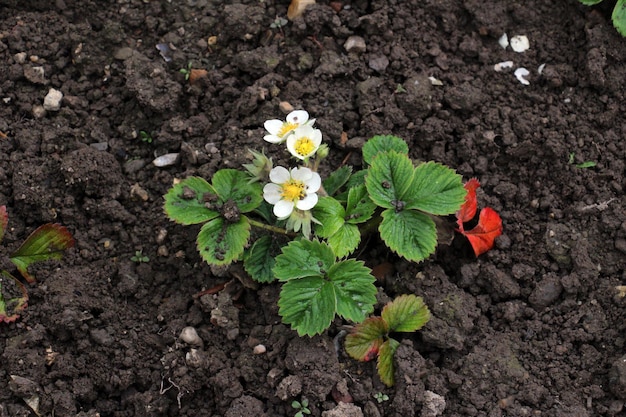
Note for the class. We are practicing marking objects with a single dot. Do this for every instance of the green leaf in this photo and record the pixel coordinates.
(259, 260)
(235, 185)
(385, 367)
(46, 242)
(345, 240)
(410, 234)
(220, 242)
(359, 207)
(4, 221)
(589, 2)
(13, 297)
(337, 179)
(330, 213)
(586, 164)
(303, 258)
(365, 340)
(389, 178)
(435, 189)
(357, 178)
(355, 292)
(383, 143)
(619, 17)
(307, 304)
(185, 201)
(407, 313)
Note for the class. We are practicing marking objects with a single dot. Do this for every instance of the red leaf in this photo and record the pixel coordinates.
(482, 236)
(468, 209)
(13, 297)
(4, 221)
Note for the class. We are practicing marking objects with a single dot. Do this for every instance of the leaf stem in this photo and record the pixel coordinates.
(274, 229)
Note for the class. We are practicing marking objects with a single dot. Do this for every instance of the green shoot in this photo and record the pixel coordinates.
(139, 257)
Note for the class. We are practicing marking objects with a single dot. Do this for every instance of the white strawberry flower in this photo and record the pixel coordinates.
(304, 141)
(279, 130)
(292, 189)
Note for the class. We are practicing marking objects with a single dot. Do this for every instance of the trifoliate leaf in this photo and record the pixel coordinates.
(13, 297)
(383, 143)
(355, 291)
(46, 242)
(4, 221)
(235, 185)
(619, 17)
(220, 242)
(406, 313)
(410, 234)
(330, 213)
(389, 178)
(337, 179)
(185, 202)
(385, 367)
(435, 189)
(303, 258)
(364, 342)
(307, 304)
(359, 207)
(259, 260)
(345, 240)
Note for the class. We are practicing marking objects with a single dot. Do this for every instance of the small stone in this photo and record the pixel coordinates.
(163, 251)
(161, 235)
(617, 378)
(134, 165)
(378, 63)
(355, 44)
(35, 75)
(259, 349)
(546, 292)
(434, 404)
(285, 107)
(519, 43)
(521, 74)
(123, 53)
(137, 191)
(166, 160)
(20, 57)
(38, 111)
(52, 101)
(190, 336)
(344, 410)
(101, 146)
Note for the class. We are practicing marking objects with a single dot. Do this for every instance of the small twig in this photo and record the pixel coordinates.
(598, 206)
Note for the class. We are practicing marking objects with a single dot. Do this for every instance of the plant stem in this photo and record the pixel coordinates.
(268, 227)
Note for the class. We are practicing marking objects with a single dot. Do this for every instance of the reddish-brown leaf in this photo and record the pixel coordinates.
(482, 236)
(4, 221)
(468, 209)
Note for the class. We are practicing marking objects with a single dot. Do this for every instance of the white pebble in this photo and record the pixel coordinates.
(500, 66)
(166, 160)
(504, 41)
(355, 44)
(519, 43)
(190, 336)
(541, 68)
(521, 74)
(52, 101)
(259, 349)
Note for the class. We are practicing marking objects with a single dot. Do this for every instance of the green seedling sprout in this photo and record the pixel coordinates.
(302, 407)
(187, 71)
(586, 164)
(289, 224)
(380, 397)
(139, 257)
(371, 339)
(47, 242)
(145, 136)
(618, 16)
(279, 22)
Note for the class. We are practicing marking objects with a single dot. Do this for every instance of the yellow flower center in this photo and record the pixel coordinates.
(293, 190)
(304, 146)
(286, 128)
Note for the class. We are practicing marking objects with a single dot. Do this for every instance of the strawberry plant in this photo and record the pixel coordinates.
(372, 339)
(46, 243)
(289, 224)
(618, 16)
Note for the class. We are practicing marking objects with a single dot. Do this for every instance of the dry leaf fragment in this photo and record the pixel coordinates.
(297, 7)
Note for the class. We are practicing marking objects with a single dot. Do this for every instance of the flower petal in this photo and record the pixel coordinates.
(298, 116)
(272, 193)
(307, 203)
(283, 209)
(316, 137)
(273, 126)
(279, 175)
(301, 174)
(272, 139)
(314, 183)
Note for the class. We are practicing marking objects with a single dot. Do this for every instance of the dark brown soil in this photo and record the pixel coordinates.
(534, 327)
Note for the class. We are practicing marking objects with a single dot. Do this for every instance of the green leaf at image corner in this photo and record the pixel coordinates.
(435, 189)
(406, 313)
(45, 243)
(385, 367)
(307, 304)
(409, 233)
(383, 143)
(259, 260)
(235, 185)
(619, 17)
(220, 242)
(303, 258)
(355, 292)
(345, 240)
(185, 201)
(364, 342)
(389, 179)
(330, 214)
